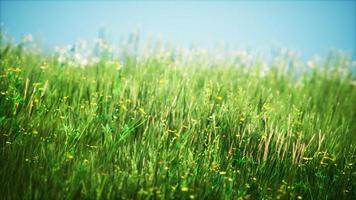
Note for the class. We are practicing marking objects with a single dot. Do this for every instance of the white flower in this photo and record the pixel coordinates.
(95, 60)
(61, 59)
(264, 70)
(243, 56)
(311, 64)
(77, 57)
(28, 38)
(83, 61)
(60, 50)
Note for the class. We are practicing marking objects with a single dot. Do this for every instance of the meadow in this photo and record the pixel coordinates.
(174, 124)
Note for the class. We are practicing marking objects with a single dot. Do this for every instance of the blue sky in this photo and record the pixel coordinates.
(311, 27)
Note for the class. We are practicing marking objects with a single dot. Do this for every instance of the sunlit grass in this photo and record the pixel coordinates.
(168, 126)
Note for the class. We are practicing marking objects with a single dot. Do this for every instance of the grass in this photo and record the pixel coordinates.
(169, 127)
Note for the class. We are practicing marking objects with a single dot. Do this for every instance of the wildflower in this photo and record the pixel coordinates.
(191, 196)
(311, 64)
(118, 65)
(264, 137)
(61, 59)
(83, 61)
(184, 189)
(43, 67)
(142, 111)
(95, 60)
(142, 192)
(16, 69)
(214, 166)
(222, 173)
(174, 188)
(28, 38)
(69, 156)
(242, 120)
(299, 197)
(157, 191)
(219, 98)
(266, 107)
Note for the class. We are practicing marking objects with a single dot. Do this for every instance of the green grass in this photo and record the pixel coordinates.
(173, 128)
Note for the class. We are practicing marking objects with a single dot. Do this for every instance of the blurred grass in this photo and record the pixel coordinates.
(162, 127)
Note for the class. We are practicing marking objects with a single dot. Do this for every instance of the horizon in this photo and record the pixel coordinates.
(310, 28)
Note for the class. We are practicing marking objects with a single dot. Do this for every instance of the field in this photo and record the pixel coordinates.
(175, 125)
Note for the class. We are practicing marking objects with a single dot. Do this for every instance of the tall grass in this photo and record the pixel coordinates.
(169, 127)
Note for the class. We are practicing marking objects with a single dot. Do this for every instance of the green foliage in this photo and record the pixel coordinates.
(161, 128)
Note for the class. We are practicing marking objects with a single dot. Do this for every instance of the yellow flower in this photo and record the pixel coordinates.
(43, 67)
(214, 166)
(69, 156)
(118, 65)
(306, 158)
(141, 110)
(222, 173)
(184, 189)
(123, 107)
(219, 98)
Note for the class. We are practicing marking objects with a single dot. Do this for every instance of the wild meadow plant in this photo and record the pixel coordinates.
(105, 122)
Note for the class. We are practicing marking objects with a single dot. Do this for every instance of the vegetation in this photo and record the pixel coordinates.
(169, 125)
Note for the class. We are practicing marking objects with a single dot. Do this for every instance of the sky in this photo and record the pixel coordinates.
(310, 27)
